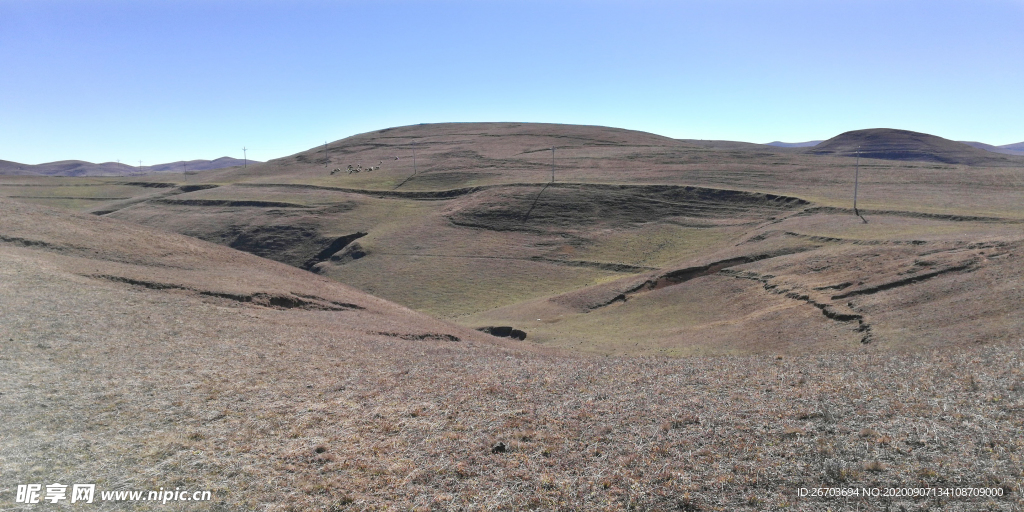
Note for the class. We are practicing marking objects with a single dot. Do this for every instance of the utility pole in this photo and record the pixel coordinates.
(552, 164)
(245, 158)
(414, 159)
(325, 153)
(856, 180)
(140, 165)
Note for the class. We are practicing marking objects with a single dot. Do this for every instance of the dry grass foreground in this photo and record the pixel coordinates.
(303, 406)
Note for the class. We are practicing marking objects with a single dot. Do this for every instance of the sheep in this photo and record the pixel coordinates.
(358, 168)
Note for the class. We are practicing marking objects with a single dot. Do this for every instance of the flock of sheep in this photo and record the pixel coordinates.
(358, 168)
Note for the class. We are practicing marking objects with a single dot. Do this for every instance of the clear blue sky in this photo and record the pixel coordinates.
(169, 80)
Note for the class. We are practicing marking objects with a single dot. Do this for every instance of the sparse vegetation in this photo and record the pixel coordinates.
(131, 358)
(420, 423)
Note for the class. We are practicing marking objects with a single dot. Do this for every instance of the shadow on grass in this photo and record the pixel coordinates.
(534, 205)
(404, 181)
(857, 213)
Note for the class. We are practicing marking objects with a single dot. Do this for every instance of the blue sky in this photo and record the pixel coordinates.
(169, 80)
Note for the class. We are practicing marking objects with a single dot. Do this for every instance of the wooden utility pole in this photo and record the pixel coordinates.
(245, 158)
(325, 154)
(413, 158)
(552, 164)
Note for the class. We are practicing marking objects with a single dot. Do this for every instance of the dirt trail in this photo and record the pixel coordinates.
(155, 196)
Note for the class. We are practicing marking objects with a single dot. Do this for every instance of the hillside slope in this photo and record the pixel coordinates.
(129, 359)
(95, 252)
(452, 154)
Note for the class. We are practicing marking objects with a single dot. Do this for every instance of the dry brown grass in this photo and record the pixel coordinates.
(272, 410)
(124, 360)
(278, 409)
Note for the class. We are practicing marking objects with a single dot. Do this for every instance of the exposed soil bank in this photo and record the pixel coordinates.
(226, 202)
(337, 245)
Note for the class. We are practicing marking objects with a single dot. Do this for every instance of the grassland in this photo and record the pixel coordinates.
(131, 387)
(479, 234)
(710, 327)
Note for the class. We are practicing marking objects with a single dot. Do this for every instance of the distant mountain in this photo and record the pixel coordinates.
(68, 168)
(16, 169)
(80, 168)
(890, 144)
(199, 165)
(794, 144)
(1005, 150)
(732, 145)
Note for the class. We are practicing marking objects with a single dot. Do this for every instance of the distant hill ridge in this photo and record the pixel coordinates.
(81, 168)
(880, 143)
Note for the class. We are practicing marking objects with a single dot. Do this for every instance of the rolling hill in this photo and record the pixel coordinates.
(889, 144)
(476, 232)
